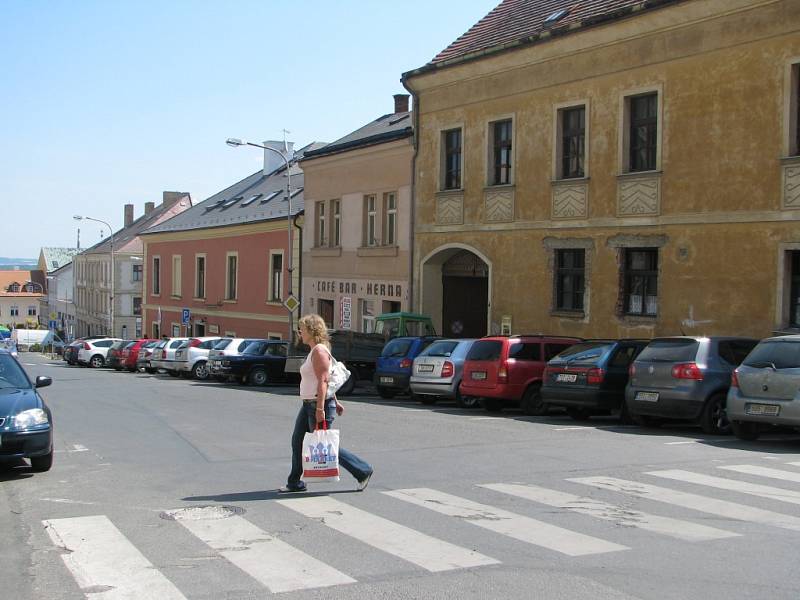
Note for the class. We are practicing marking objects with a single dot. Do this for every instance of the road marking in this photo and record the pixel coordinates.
(683, 530)
(101, 558)
(794, 464)
(764, 472)
(733, 485)
(719, 508)
(487, 418)
(67, 501)
(276, 564)
(575, 428)
(680, 443)
(507, 523)
(390, 537)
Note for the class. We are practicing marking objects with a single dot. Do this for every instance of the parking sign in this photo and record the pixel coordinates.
(186, 314)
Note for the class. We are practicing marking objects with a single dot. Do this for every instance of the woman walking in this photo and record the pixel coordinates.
(317, 407)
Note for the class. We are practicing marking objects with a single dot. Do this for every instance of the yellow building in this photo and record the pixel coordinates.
(625, 173)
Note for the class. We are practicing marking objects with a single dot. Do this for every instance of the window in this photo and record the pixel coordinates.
(734, 352)
(176, 330)
(156, 331)
(794, 288)
(14, 287)
(553, 350)
(390, 223)
(137, 272)
(641, 281)
(325, 310)
(370, 222)
(573, 142)
(336, 227)
(524, 351)
(31, 311)
(792, 119)
(200, 277)
(176, 275)
(451, 144)
(500, 134)
(570, 273)
(276, 277)
(643, 132)
(137, 306)
(15, 311)
(156, 275)
(367, 316)
(322, 232)
(231, 277)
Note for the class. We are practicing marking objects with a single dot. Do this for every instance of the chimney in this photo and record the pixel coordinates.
(171, 198)
(128, 215)
(400, 103)
(149, 207)
(271, 160)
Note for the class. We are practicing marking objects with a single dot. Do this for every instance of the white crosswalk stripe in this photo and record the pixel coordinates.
(721, 508)
(733, 485)
(764, 472)
(683, 530)
(388, 536)
(794, 464)
(101, 558)
(507, 523)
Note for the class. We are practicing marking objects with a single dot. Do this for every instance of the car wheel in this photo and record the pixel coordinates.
(200, 370)
(532, 403)
(646, 421)
(257, 377)
(713, 419)
(150, 370)
(42, 463)
(174, 373)
(745, 430)
(385, 393)
(467, 401)
(348, 386)
(97, 361)
(492, 404)
(578, 414)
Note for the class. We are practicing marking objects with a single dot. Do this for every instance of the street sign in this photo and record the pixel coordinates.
(53, 316)
(291, 303)
(53, 324)
(186, 315)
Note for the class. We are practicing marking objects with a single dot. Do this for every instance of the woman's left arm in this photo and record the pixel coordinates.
(321, 361)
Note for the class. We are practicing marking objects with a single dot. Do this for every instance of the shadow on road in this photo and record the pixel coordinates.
(12, 471)
(256, 496)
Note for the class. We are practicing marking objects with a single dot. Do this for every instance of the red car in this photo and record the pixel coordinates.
(508, 370)
(130, 354)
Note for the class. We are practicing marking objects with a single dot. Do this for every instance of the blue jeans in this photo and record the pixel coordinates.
(306, 423)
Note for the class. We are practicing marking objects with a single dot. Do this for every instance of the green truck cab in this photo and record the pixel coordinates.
(399, 324)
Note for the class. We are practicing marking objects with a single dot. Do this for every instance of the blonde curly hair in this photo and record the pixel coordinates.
(315, 326)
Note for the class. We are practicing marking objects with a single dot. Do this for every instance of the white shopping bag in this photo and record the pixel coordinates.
(321, 455)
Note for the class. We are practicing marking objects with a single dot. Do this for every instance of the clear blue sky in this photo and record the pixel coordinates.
(107, 103)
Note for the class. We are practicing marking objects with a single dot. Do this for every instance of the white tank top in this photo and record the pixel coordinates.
(308, 379)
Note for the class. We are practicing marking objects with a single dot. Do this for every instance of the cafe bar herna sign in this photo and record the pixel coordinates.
(378, 289)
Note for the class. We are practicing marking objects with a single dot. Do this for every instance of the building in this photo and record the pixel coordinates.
(357, 244)
(20, 296)
(225, 263)
(620, 168)
(92, 270)
(57, 305)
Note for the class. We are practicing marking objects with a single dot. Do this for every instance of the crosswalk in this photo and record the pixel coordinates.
(102, 560)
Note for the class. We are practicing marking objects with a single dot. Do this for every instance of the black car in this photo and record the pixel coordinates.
(261, 362)
(26, 424)
(589, 378)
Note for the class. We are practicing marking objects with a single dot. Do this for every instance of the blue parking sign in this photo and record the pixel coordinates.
(52, 324)
(186, 314)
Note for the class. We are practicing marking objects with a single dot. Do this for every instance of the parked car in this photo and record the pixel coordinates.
(26, 421)
(164, 355)
(507, 370)
(685, 378)
(130, 354)
(191, 357)
(262, 362)
(436, 372)
(589, 378)
(223, 348)
(144, 360)
(114, 355)
(93, 352)
(11, 346)
(71, 351)
(393, 367)
(765, 388)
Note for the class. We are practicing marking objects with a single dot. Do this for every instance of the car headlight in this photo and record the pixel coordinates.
(31, 418)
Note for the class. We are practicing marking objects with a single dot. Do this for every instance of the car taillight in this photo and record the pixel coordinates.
(687, 371)
(405, 363)
(447, 369)
(86, 346)
(735, 378)
(194, 343)
(502, 374)
(632, 370)
(595, 376)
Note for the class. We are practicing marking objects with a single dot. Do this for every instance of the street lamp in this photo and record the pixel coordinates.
(235, 143)
(111, 231)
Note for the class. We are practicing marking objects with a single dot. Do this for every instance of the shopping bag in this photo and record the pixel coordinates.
(321, 455)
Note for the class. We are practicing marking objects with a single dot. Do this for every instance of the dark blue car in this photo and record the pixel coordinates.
(393, 369)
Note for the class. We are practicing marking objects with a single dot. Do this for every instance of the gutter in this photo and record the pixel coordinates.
(299, 233)
(415, 142)
(381, 138)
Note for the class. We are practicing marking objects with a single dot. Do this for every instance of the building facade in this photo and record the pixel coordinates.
(21, 293)
(57, 306)
(627, 172)
(357, 245)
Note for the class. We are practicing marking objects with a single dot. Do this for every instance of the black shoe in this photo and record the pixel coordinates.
(300, 487)
(362, 485)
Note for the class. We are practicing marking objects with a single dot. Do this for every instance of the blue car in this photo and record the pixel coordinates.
(393, 369)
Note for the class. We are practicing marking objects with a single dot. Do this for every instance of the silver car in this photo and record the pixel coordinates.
(436, 372)
(191, 358)
(223, 348)
(164, 356)
(766, 388)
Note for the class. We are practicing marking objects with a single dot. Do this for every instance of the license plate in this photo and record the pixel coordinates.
(768, 410)
(647, 396)
(216, 363)
(567, 377)
(387, 380)
(479, 375)
(425, 368)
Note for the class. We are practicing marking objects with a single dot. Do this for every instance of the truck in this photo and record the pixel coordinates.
(25, 338)
(360, 351)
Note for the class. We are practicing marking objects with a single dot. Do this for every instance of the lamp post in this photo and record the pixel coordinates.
(235, 143)
(111, 231)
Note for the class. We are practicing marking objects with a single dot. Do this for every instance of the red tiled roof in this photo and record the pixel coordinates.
(515, 20)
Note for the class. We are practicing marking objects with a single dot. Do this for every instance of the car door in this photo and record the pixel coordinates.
(524, 364)
(616, 376)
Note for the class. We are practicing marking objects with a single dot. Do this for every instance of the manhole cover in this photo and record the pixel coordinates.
(201, 513)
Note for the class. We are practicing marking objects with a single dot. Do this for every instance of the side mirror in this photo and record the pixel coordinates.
(42, 381)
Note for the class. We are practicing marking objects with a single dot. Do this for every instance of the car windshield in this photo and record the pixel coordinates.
(11, 374)
(584, 352)
(485, 350)
(780, 355)
(255, 348)
(222, 344)
(444, 349)
(670, 350)
(396, 348)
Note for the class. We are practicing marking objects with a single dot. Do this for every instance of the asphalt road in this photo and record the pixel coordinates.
(166, 488)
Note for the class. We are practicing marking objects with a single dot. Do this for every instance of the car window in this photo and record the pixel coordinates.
(553, 350)
(178, 343)
(440, 349)
(208, 344)
(255, 348)
(243, 346)
(734, 352)
(425, 343)
(222, 344)
(485, 350)
(11, 374)
(416, 328)
(583, 352)
(104, 344)
(783, 355)
(623, 357)
(152, 344)
(670, 350)
(396, 348)
(277, 350)
(524, 351)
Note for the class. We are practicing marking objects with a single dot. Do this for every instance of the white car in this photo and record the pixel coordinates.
(164, 356)
(192, 357)
(224, 348)
(94, 352)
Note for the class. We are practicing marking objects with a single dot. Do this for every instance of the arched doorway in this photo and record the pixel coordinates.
(456, 290)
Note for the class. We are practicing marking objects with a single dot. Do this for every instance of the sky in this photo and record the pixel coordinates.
(103, 103)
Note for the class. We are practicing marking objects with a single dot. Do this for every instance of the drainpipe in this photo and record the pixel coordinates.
(299, 268)
(415, 142)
